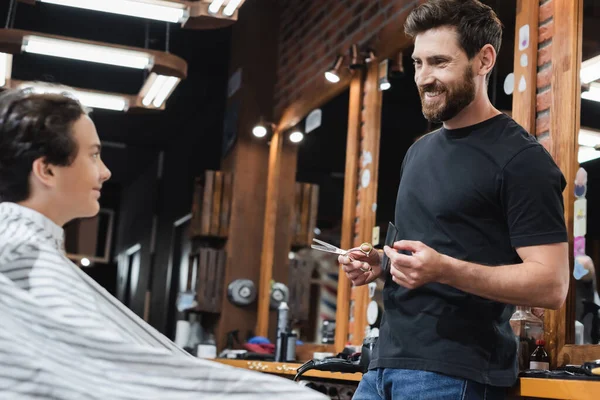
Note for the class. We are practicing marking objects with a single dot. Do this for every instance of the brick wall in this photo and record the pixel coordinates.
(544, 92)
(313, 32)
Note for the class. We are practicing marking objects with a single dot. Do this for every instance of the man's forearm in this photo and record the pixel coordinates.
(527, 284)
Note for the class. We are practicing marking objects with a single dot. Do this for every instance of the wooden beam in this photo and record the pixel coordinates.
(371, 119)
(564, 128)
(342, 313)
(524, 102)
(268, 243)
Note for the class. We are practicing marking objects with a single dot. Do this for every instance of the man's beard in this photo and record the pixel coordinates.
(456, 98)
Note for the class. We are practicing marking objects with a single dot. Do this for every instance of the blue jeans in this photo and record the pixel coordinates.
(404, 384)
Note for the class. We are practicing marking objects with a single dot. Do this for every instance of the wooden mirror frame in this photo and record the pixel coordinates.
(292, 116)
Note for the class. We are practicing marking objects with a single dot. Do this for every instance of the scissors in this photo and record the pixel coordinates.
(364, 248)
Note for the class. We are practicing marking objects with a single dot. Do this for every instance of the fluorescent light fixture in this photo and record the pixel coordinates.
(215, 6)
(150, 9)
(88, 99)
(5, 68)
(587, 154)
(593, 93)
(590, 70)
(231, 7)
(86, 52)
(158, 88)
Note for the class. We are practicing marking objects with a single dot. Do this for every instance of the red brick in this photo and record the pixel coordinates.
(374, 25)
(545, 31)
(544, 100)
(546, 141)
(544, 77)
(542, 124)
(544, 55)
(546, 11)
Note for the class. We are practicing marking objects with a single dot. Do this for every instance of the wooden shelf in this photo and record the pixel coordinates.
(558, 389)
(287, 369)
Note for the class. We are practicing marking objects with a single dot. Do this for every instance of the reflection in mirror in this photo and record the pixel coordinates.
(89, 240)
(586, 228)
(318, 214)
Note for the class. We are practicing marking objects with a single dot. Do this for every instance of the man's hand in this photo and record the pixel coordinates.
(360, 268)
(423, 266)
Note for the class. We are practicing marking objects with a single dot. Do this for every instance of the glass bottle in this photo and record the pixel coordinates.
(528, 329)
(539, 358)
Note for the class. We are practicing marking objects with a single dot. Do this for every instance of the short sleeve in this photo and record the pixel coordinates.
(531, 190)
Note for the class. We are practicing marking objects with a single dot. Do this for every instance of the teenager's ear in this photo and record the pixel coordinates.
(43, 172)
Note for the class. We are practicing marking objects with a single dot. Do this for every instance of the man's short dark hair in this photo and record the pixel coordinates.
(34, 125)
(476, 23)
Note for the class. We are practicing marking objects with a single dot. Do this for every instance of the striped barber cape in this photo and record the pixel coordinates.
(62, 336)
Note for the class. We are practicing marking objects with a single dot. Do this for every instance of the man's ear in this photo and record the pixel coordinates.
(43, 172)
(487, 59)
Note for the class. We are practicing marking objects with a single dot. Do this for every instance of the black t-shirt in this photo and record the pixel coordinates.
(475, 194)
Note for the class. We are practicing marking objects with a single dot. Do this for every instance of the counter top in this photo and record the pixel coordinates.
(560, 389)
(288, 369)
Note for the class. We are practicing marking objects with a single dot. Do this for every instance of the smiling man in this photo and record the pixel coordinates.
(480, 210)
(62, 336)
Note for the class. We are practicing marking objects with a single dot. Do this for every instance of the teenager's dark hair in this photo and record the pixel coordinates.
(476, 23)
(34, 125)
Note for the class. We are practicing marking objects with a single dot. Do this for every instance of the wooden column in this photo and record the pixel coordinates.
(564, 128)
(342, 313)
(367, 192)
(268, 242)
(524, 102)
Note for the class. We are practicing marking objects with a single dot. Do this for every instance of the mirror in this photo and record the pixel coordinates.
(90, 238)
(319, 196)
(586, 230)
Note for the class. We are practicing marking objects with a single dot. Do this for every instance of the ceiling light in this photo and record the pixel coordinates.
(88, 99)
(590, 70)
(332, 75)
(231, 7)
(86, 52)
(384, 83)
(159, 10)
(215, 6)
(593, 93)
(5, 67)
(157, 89)
(296, 137)
(586, 154)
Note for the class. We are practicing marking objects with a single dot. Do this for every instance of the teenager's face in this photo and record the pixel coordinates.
(443, 74)
(78, 185)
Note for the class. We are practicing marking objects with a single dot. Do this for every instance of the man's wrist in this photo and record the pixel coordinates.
(449, 268)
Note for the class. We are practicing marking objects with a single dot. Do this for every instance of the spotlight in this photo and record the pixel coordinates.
(355, 58)
(384, 83)
(333, 74)
(262, 128)
(296, 137)
(370, 56)
(85, 262)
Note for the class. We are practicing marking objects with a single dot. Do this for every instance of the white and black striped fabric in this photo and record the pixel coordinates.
(62, 336)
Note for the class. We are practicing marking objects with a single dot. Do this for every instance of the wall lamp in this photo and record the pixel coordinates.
(203, 14)
(263, 128)
(165, 70)
(333, 74)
